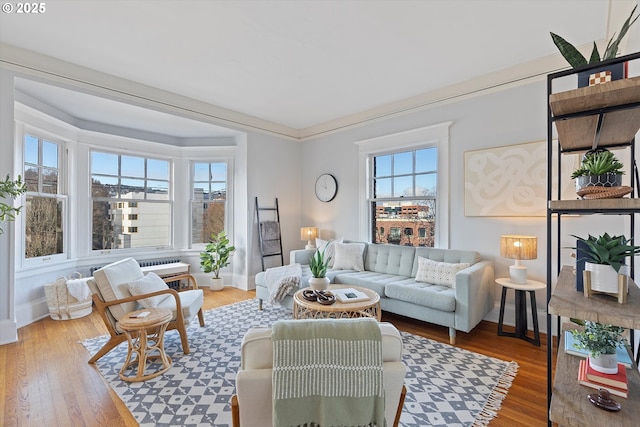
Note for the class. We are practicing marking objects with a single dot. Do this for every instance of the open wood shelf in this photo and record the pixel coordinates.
(619, 127)
(621, 205)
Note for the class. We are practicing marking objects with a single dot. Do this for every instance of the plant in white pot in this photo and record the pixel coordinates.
(601, 341)
(605, 255)
(215, 257)
(319, 265)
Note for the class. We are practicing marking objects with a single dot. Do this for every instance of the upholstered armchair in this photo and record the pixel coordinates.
(111, 287)
(252, 406)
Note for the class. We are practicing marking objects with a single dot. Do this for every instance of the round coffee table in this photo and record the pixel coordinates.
(303, 309)
(145, 335)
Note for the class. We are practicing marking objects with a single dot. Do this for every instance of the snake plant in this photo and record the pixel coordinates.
(576, 59)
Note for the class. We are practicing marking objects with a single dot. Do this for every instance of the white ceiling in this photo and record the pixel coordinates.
(302, 64)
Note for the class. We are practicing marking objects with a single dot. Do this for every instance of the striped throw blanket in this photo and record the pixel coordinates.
(327, 373)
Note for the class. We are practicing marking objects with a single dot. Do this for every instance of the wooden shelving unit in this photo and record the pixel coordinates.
(606, 115)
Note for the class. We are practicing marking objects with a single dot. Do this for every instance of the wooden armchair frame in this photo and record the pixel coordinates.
(117, 337)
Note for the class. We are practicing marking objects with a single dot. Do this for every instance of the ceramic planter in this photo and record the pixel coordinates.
(216, 284)
(319, 284)
(605, 363)
(603, 277)
(604, 180)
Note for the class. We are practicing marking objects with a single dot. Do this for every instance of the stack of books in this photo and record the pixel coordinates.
(616, 384)
(349, 295)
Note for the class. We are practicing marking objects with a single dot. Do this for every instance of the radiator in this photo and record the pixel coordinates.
(144, 263)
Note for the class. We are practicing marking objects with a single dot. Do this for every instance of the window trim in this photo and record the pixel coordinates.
(430, 136)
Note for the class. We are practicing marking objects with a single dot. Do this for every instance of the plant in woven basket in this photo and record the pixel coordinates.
(576, 59)
(608, 250)
(598, 162)
(10, 189)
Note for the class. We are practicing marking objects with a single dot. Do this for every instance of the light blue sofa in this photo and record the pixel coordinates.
(390, 270)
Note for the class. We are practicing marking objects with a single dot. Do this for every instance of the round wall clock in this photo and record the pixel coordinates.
(326, 187)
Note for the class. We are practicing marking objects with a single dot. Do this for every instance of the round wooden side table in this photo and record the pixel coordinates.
(145, 335)
(521, 309)
(303, 309)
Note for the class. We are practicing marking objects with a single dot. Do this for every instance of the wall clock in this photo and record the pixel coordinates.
(326, 187)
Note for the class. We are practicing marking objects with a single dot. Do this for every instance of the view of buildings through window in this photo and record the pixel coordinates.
(403, 197)
(45, 203)
(131, 202)
(209, 198)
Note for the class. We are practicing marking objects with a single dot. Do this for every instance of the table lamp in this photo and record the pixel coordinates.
(309, 234)
(518, 248)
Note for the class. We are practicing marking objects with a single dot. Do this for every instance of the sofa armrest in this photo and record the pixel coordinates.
(301, 256)
(474, 295)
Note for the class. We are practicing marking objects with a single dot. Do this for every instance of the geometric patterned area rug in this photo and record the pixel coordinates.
(446, 386)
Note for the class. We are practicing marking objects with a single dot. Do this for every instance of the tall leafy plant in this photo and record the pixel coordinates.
(10, 189)
(216, 254)
(576, 59)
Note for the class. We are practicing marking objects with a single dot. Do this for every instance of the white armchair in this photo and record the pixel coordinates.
(252, 404)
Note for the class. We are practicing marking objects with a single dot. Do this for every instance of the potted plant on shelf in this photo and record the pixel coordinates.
(10, 189)
(605, 255)
(319, 265)
(598, 168)
(215, 257)
(601, 341)
(576, 59)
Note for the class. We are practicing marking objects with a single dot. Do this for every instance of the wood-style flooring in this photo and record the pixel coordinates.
(45, 379)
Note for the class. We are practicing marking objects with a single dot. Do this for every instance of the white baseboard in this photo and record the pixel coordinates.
(8, 331)
(31, 312)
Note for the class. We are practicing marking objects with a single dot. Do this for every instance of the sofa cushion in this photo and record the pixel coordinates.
(349, 256)
(329, 248)
(113, 281)
(439, 273)
(146, 285)
(444, 255)
(368, 279)
(438, 297)
(390, 259)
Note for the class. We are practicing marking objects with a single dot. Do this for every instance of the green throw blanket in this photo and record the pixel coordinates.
(327, 373)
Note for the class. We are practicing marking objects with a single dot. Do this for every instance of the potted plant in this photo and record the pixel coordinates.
(599, 167)
(10, 189)
(318, 265)
(576, 59)
(216, 256)
(601, 341)
(605, 255)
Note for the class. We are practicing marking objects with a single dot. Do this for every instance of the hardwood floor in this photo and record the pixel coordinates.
(45, 379)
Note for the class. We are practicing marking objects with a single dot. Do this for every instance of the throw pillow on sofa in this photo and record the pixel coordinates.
(329, 247)
(146, 285)
(349, 256)
(438, 273)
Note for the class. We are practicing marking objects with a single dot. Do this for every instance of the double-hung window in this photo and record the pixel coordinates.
(403, 198)
(208, 200)
(131, 204)
(45, 207)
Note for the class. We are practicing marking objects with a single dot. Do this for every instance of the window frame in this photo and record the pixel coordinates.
(169, 201)
(61, 194)
(425, 137)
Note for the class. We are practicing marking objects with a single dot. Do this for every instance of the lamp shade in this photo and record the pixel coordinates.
(519, 247)
(308, 233)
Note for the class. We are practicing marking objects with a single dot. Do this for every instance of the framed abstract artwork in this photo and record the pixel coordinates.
(512, 180)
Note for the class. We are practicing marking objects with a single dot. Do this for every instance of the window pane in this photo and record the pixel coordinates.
(382, 165)
(157, 190)
(49, 181)
(49, 154)
(103, 236)
(403, 186)
(132, 188)
(201, 172)
(403, 163)
(218, 171)
(382, 188)
(426, 184)
(44, 232)
(411, 224)
(158, 169)
(132, 166)
(152, 227)
(207, 219)
(200, 189)
(102, 186)
(427, 160)
(103, 163)
(31, 178)
(31, 149)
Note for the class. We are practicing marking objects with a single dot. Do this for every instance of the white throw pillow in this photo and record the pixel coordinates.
(329, 247)
(438, 273)
(148, 284)
(349, 256)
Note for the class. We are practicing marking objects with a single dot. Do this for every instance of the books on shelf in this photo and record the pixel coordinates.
(349, 295)
(582, 379)
(621, 352)
(618, 380)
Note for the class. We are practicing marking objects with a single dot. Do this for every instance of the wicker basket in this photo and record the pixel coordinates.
(62, 305)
